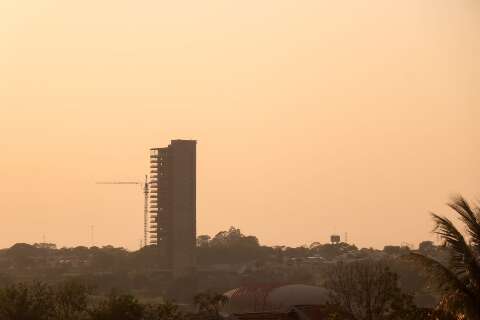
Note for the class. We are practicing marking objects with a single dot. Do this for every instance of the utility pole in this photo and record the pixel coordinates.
(91, 236)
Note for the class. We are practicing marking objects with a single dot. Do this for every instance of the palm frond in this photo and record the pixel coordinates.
(470, 218)
(464, 262)
(442, 276)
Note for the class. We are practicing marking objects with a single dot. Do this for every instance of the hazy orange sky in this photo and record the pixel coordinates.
(313, 117)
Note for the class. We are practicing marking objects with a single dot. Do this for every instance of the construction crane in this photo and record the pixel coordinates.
(145, 204)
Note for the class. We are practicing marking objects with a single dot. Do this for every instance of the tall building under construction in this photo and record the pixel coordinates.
(172, 205)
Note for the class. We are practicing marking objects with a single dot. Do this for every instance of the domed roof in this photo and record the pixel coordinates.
(297, 294)
(273, 297)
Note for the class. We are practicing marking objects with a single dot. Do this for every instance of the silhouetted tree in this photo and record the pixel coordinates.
(330, 251)
(164, 311)
(27, 302)
(116, 307)
(147, 257)
(368, 290)
(23, 255)
(71, 301)
(233, 237)
(459, 281)
(230, 247)
(210, 303)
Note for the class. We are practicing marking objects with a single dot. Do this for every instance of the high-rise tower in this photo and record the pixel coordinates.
(173, 204)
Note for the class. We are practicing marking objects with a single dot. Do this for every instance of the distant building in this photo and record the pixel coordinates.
(426, 246)
(43, 245)
(173, 204)
(335, 239)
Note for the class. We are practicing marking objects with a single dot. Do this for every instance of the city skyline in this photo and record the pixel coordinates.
(313, 118)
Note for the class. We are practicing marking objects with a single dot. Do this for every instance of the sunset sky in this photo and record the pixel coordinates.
(312, 117)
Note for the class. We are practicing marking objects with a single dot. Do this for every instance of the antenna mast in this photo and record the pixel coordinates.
(91, 236)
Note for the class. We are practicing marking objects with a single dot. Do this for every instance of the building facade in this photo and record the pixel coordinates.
(172, 205)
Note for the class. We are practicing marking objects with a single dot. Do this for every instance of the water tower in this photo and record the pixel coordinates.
(335, 239)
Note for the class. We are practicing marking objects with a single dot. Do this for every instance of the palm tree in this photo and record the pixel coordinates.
(460, 280)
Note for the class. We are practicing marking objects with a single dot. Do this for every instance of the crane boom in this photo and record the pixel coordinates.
(118, 182)
(145, 205)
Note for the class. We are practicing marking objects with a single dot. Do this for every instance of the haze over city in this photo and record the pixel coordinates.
(311, 117)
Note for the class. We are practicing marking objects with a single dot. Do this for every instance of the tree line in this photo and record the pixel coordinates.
(73, 300)
(366, 289)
